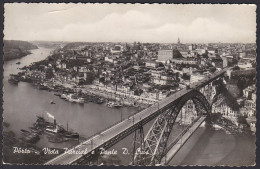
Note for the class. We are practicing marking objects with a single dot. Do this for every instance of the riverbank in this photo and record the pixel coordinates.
(14, 49)
(88, 93)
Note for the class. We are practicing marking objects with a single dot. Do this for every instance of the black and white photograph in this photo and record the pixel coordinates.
(129, 84)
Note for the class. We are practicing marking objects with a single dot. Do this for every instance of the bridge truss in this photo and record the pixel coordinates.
(151, 149)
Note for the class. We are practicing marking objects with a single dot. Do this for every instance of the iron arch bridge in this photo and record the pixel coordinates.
(152, 148)
(165, 113)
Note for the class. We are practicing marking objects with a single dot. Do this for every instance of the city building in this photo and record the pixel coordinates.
(151, 64)
(196, 77)
(188, 61)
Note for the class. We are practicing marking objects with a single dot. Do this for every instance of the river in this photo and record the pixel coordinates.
(23, 102)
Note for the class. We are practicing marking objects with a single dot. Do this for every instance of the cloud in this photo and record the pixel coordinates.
(133, 24)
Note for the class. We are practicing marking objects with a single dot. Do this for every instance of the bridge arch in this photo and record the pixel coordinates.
(155, 142)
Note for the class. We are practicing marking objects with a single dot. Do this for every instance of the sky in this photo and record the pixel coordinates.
(162, 23)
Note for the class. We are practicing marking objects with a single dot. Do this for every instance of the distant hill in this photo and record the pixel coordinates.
(50, 44)
(79, 45)
(75, 45)
(16, 49)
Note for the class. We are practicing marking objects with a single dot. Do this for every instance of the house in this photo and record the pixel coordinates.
(164, 55)
(248, 111)
(252, 122)
(218, 63)
(196, 77)
(188, 61)
(185, 53)
(244, 64)
(225, 110)
(111, 59)
(163, 78)
(151, 64)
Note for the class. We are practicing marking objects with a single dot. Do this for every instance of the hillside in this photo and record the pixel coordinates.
(16, 49)
(50, 44)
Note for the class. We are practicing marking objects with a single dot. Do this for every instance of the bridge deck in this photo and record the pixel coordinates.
(99, 139)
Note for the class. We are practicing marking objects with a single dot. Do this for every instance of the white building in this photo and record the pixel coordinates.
(151, 64)
(243, 64)
(196, 77)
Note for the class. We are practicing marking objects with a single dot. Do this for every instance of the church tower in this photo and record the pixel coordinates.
(179, 40)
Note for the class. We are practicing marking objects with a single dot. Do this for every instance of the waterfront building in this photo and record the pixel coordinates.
(249, 91)
(252, 122)
(226, 111)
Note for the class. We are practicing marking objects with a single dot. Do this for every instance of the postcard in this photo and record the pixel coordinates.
(129, 84)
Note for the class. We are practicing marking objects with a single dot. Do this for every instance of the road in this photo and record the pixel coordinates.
(98, 140)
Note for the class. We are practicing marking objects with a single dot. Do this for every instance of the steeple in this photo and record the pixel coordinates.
(179, 40)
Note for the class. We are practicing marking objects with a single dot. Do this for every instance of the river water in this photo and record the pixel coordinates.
(23, 102)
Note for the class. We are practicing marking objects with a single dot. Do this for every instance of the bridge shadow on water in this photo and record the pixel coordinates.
(201, 149)
(214, 148)
(193, 147)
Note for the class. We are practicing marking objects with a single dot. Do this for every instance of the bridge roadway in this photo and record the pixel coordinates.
(119, 131)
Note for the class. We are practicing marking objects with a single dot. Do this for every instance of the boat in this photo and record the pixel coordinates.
(35, 130)
(57, 94)
(74, 99)
(53, 128)
(114, 104)
(29, 137)
(13, 81)
(52, 102)
(42, 87)
(33, 138)
(117, 105)
(71, 136)
(54, 139)
(100, 101)
(56, 133)
(25, 132)
(111, 104)
(18, 63)
(79, 100)
(63, 96)
(228, 132)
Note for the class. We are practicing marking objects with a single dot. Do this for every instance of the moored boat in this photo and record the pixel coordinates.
(114, 104)
(57, 94)
(52, 102)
